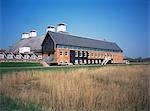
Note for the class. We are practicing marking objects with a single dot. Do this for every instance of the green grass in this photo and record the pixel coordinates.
(19, 64)
(9, 104)
(9, 70)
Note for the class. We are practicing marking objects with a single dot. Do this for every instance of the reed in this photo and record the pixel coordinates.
(113, 88)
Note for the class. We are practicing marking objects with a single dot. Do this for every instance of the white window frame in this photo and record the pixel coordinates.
(85, 61)
(80, 53)
(76, 61)
(76, 53)
(18, 56)
(100, 61)
(85, 54)
(96, 61)
(89, 61)
(92, 61)
(2, 56)
(9, 56)
(26, 56)
(80, 61)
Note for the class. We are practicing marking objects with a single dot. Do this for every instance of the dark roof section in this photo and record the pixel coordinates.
(33, 42)
(66, 39)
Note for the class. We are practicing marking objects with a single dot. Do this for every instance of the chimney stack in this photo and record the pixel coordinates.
(62, 27)
(25, 35)
(50, 28)
(33, 33)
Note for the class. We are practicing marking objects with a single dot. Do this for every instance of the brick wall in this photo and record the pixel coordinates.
(62, 57)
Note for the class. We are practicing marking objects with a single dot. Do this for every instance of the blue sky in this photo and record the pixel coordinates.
(122, 21)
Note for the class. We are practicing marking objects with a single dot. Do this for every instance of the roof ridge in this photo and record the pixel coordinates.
(81, 37)
(68, 39)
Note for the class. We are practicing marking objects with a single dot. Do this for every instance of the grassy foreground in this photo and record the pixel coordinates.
(19, 64)
(113, 88)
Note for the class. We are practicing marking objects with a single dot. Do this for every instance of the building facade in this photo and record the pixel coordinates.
(59, 47)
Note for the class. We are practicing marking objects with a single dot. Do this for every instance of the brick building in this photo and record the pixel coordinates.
(59, 47)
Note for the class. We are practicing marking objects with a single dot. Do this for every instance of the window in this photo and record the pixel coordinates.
(89, 61)
(80, 54)
(92, 54)
(66, 61)
(95, 54)
(61, 53)
(96, 61)
(85, 54)
(76, 53)
(2, 56)
(85, 61)
(18, 56)
(107, 54)
(80, 61)
(9, 56)
(110, 55)
(39, 56)
(33, 57)
(92, 61)
(61, 62)
(66, 53)
(76, 60)
(88, 54)
(99, 61)
(26, 56)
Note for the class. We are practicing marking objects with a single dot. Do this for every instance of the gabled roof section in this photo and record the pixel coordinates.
(66, 39)
(33, 42)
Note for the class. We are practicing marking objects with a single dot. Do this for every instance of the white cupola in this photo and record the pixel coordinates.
(33, 33)
(50, 28)
(25, 35)
(61, 27)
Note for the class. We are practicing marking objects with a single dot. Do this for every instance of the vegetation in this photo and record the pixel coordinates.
(112, 88)
(8, 104)
(7, 70)
(19, 64)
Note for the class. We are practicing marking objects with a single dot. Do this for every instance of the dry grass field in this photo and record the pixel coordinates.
(111, 88)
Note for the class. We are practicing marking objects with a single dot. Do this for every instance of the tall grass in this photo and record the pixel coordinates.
(124, 88)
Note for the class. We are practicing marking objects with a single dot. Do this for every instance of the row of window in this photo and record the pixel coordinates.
(80, 54)
(11, 56)
(63, 62)
(90, 54)
(65, 53)
(97, 61)
(87, 54)
(87, 61)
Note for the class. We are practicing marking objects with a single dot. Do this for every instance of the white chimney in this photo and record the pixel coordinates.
(25, 35)
(61, 27)
(50, 28)
(33, 33)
